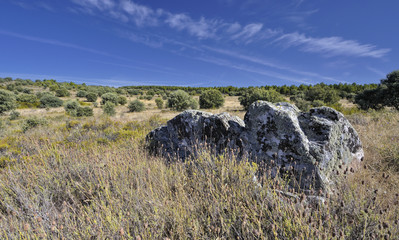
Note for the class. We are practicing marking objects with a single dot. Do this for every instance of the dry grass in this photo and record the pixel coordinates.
(92, 179)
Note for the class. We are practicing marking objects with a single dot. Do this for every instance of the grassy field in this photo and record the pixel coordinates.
(91, 178)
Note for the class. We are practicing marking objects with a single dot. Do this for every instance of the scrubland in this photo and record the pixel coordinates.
(91, 178)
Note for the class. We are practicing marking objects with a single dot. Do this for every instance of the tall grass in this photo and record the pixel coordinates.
(93, 179)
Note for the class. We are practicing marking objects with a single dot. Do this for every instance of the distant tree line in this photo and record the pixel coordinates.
(47, 93)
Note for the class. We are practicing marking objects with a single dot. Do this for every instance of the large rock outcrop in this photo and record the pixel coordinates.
(309, 148)
(187, 132)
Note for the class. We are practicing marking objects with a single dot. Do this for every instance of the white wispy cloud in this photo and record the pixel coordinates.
(140, 14)
(246, 68)
(99, 4)
(272, 64)
(60, 44)
(203, 28)
(249, 31)
(332, 46)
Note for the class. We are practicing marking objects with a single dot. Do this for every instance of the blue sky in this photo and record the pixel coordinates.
(199, 43)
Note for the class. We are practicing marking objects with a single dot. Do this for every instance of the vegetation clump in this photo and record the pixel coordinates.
(255, 94)
(109, 108)
(211, 99)
(180, 100)
(91, 97)
(50, 101)
(14, 115)
(109, 97)
(159, 103)
(7, 101)
(74, 108)
(62, 92)
(386, 94)
(136, 106)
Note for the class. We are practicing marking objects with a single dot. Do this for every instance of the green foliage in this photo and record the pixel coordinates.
(49, 101)
(32, 123)
(136, 106)
(81, 94)
(91, 97)
(159, 102)
(255, 94)
(211, 99)
(386, 94)
(109, 97)
(14, 115)
(62, 92)
(180, 100)
(324, 94)
(27, 98)
(109, 108)
(7, 101)
(84, 111)
(148, 97)
(122, 100)
(73, 108)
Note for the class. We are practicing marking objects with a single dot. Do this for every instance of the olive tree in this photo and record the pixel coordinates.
(211, 99)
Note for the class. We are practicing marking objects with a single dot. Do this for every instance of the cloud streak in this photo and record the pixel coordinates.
(60, 44)
(331, 46)
(202, 28)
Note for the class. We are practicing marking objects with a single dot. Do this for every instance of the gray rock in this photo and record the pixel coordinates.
(308, 149)
(185, 134)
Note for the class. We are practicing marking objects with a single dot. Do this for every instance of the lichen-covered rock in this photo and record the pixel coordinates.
(309, 149)
(191, 129)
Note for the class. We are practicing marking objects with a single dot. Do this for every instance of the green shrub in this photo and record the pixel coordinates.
(122, 100)
(136, 106)
(159, 103)
(49, 101)
(91, 97)
(109, 108)
(62, 92)
(255, 94)
(42, 94)
(109, 97)
(180, 100)
(32, 123)
(84, 112)
(14, 115)
(325, 94)
(27, 98)
(386, 94)
(81, 94)
(148, 97)
(211, 99)
(73, 108)
(7, 101)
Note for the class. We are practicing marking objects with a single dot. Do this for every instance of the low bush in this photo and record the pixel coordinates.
(73, 108)
(254, 94)
(62, 92)
(109, 97)
(50, 101)
(91, 97)
(81, 94)
(14, 115)
(109, 108)
(159, 103)
(32, 123)
(136, 106)
(211, 99)
(7, 101)
(122, 100)
(180, 100)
